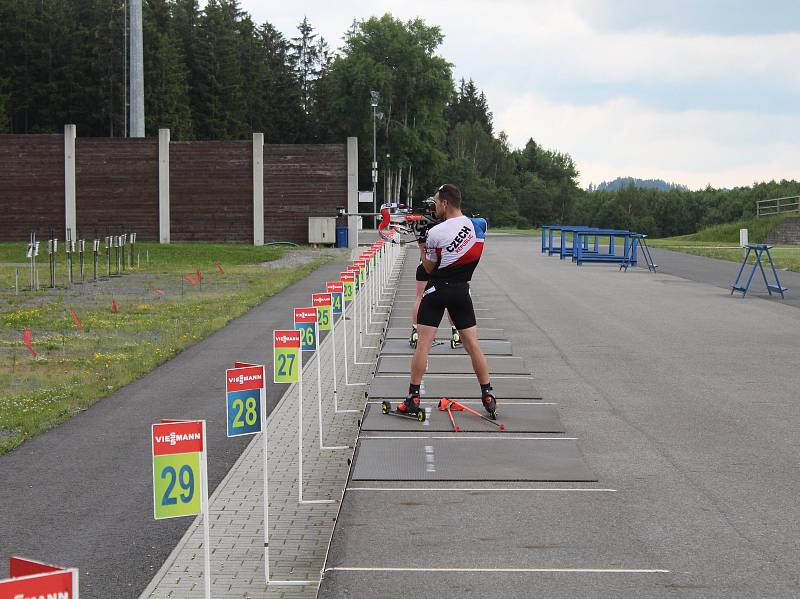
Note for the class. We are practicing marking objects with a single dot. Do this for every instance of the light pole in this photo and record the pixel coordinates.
(374, 98)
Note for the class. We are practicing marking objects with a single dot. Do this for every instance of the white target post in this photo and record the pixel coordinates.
(322, 303)
(348, 279)
(305, 323)
(336, 289)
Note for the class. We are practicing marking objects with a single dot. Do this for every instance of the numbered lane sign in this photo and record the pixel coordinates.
(305, 320)
(357, 276)
(244, 387)
(177, 448)
(286, 354)
(348, 282)
(322, 302)
(362, 271)
(336, 289)
(30, 579)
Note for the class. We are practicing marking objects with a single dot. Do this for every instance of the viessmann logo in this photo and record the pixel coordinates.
(306, 314)
(243, 378)
(288, 338)
(173, 438)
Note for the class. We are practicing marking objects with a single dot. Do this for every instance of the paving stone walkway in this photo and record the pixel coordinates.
(299, 534)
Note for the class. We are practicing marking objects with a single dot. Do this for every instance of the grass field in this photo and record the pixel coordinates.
(722, 241)
(158, 313)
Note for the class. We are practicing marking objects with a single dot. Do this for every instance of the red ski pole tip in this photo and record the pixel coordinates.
(502, 427)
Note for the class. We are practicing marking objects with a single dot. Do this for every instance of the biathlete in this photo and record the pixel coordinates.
(450, 255)
(422, 278)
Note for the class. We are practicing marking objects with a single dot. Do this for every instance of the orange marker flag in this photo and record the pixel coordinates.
(199, 276)
(220, 269)
(190, 278)
(76, 320)
(114, 307)
(27, 339)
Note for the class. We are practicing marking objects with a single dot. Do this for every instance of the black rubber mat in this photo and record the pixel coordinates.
(445, 333)
(528, 417)
(453, 365)
(471, 458)
(405, 321)
(490, 347)
(456, 386)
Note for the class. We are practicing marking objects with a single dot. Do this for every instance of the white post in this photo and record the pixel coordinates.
(163, 186)
(352, 192)
(258, 189)
(319, 391)
(70, 219)
(266, 481)
(204, 507)
(333, 335)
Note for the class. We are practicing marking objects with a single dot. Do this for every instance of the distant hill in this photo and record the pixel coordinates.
(621, 182)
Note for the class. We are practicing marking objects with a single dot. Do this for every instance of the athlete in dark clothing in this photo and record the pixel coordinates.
(450, 255)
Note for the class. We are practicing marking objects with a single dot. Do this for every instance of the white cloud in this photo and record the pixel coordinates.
(622, 137)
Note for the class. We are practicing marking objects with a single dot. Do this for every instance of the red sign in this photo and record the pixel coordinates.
(244, 379)
(348, 277)
(321, 299)
(178, 437)
(286, 338)
(335, 287)
(32, 580)
(305, 315)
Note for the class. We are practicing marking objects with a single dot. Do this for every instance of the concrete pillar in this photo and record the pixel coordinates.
(163, 186)
(70, 220)
(137, 70)
(352, 192)
(258, 189)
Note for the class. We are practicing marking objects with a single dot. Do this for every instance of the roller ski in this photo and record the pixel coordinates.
(408, 409)
(412, 341)
(455, 338)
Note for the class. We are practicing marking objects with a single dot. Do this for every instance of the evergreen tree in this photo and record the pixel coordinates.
(166, 88)
(4, 113)
(284, 119)
(218, 102)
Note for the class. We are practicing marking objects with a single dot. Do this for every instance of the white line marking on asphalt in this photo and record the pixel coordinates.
(498, 437)
(495, 489)
(511, 570)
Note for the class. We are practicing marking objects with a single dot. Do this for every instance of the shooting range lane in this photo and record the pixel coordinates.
(517, 417)
(82, 494)
(501, 525)
(454, 386)
(498, 365)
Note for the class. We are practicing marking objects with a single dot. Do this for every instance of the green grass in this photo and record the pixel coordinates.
(515, 231)
(75, 367)
(722, 241)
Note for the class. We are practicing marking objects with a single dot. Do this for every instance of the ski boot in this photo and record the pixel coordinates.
(412, 341)
(489, 403)
(455, 339)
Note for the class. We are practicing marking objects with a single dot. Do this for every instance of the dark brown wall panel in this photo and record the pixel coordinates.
(301, 181)
(117, 187)
(211, 191)
(31, 186)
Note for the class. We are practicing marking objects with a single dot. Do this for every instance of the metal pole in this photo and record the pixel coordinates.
(137, 70)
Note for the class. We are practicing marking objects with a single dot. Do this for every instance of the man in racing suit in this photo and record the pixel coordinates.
(450, 255)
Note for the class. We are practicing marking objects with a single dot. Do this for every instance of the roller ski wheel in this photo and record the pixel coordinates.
(418, 414)
(490, 405)
(412, 341)
(455, 340)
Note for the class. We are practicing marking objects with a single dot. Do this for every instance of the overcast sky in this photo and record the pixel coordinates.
(696, 92)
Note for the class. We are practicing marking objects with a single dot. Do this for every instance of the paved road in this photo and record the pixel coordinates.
(684, 401)
(80, 494)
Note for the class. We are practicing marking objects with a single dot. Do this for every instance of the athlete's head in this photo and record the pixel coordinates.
(447, 197)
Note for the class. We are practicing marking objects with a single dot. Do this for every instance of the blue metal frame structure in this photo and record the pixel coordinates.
(760, 249)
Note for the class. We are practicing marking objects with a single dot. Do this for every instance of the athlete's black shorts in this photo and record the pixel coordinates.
(452, 296)
(422, 274)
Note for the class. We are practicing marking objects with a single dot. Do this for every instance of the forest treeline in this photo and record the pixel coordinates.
(211, 72)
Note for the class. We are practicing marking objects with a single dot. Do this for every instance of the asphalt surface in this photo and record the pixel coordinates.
(80, 495)
(684, 403)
